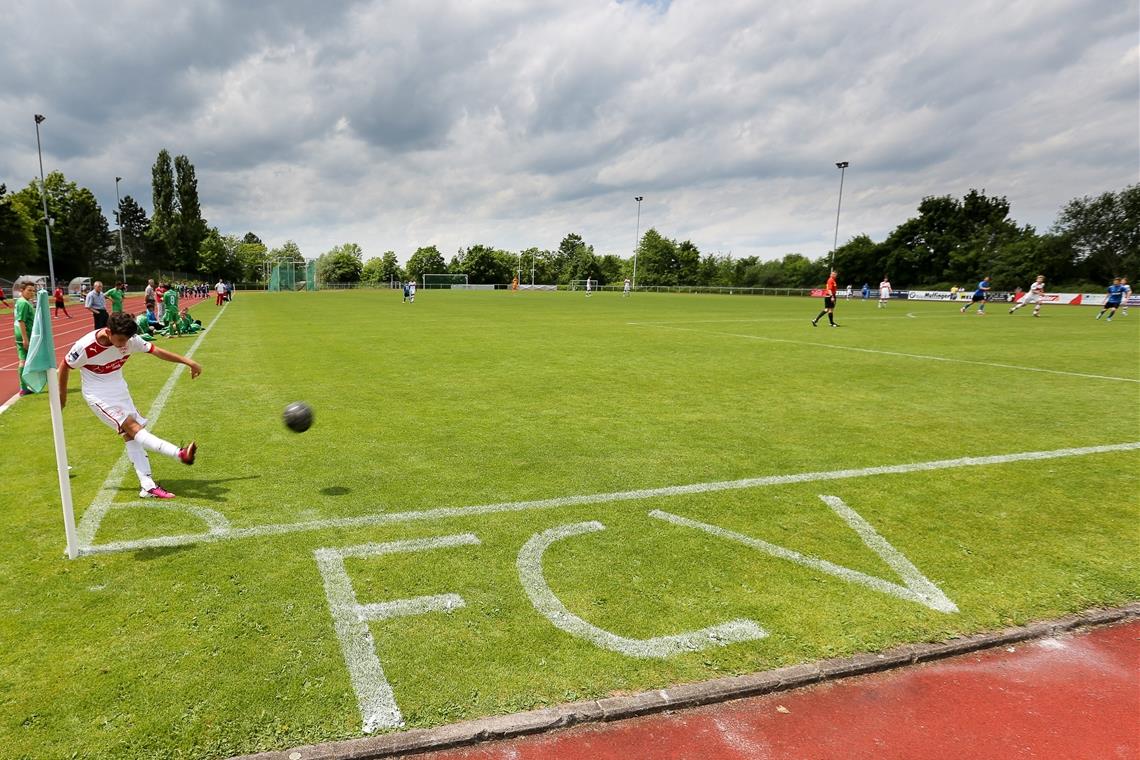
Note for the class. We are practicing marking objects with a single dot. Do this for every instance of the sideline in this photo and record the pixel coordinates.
(928, 357)
(87, 547)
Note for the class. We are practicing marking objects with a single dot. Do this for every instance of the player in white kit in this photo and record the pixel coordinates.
(1035, 296)
(1124, 299)
(625, 289)
(100, 356)
(884, 292)
(589, 287)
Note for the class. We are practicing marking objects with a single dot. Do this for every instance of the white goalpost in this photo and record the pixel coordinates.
(444, 281)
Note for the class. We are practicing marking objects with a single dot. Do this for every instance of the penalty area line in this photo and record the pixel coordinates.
(441, 513)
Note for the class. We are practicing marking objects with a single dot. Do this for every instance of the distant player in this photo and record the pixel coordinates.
(850, 290)
(866, 291)
(981, 293)
(411, 291)
(406, 285)
(1112, 303)
(25, 318)
(589, 287)
(884, 292)
(625, 289)
(954, 293)
(100, 355)
(829, 292)
(59, 302)
(220, 290)
(1125, 296)
(1035, 296)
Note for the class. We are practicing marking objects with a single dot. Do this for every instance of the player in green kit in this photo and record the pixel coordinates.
(115, 296)
(170, 310)
(25, 314)
(144, 328)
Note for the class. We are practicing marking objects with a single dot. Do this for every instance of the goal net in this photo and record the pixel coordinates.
(293, 275)
(581, 284)
(444, 281)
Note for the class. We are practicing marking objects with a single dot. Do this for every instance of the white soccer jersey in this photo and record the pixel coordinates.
(101, 366)
(589, 284)
(1037, 289)
(885, 289)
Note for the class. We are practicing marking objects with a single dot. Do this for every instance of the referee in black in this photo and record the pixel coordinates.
(829, 291)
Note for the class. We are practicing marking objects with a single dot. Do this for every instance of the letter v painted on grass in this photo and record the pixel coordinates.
(917, 587)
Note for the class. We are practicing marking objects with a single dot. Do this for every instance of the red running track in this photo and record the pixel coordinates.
(1072, 697)
(65, 332)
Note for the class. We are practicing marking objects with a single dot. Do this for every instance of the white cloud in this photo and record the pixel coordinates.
(399, 124)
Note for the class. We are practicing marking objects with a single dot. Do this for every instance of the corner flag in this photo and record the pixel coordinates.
(40, 372)
(41, 348)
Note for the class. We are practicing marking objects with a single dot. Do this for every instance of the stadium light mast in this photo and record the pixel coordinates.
(43, 196)
(119, 214)
(637, 237)
(842, 167)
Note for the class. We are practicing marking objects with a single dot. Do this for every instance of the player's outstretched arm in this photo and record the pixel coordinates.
(63, 373)
(170, 356)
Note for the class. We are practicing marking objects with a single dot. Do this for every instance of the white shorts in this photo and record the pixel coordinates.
(884, 294)
(1031, 298)
(114, 409)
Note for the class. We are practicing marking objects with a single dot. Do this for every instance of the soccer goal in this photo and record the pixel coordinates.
(444, 281)
(581, 284)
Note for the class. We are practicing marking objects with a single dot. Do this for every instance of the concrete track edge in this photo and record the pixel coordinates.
(684, 695)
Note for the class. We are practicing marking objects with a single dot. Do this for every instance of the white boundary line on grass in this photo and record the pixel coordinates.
(928, 357)
(441, 513)
(93, 515)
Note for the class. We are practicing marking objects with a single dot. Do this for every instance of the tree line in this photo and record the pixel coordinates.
(949, 241)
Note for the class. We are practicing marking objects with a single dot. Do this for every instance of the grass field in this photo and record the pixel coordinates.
(215, 625)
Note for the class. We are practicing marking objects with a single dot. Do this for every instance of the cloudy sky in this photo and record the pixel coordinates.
(396, 124)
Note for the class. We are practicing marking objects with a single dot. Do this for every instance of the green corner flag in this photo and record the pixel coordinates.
(41, 348)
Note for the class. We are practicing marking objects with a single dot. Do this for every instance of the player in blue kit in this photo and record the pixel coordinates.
(979, 298)
(1112, 303)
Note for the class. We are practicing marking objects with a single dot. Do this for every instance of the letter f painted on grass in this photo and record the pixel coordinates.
(916, 586)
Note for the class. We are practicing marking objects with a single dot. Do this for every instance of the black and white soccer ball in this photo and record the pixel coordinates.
(298, 416)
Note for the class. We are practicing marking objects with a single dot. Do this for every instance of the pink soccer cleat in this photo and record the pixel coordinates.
(158, 492)
(186, 453)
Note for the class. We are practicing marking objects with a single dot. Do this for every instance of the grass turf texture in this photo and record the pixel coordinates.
(464, 398)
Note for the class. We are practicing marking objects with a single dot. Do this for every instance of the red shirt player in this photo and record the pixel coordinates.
(829, 292)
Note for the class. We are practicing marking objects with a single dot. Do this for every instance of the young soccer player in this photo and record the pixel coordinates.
(1112, 303)
(589, 287)
(979, 297)
(100, 355)
(115, 296)
(829, 293)
(625, 289)
(170, 310)
(405, 293)
(884, 292)
(1034, 296)
(411, 291)
(850, 290)
(25, 315)
(1124, 296)
(59, 302)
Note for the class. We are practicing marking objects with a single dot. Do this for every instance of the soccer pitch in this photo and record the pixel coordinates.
(515, 500)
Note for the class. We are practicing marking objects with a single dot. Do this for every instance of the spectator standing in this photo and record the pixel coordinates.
(96, 303)
(25, 318)
(115, 295)
(220, 289)
(149, 296)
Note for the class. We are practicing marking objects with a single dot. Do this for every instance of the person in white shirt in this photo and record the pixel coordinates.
(100, 356)
(850, 290)
(884, 292)
(220, 289)
(412, 291)
(1124, 299)
(625, 289)
(1035, 296)
(589, 287)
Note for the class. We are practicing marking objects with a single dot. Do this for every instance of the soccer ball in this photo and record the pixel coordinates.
(298, 417)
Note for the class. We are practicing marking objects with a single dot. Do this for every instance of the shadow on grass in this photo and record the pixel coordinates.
(207, 490)
(336, 491)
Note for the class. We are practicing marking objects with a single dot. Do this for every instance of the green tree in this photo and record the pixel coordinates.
(567, 252)
(426, 260)
(483, 265)
(60, 193)
(343, 263)
(656, 259)
(18, 251)
(218, 256)
(252, 239)
(84, 239)
(252, 257)
(382, 269)
(164, 220)
(611, 269)
(1104, 233)
(190, 227)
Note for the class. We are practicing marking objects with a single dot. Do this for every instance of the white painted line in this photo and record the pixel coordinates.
(928, 357)
(378, 708)
(93, 515)
(548, 604)
(9, 403)
(441, 513)
(917, 589)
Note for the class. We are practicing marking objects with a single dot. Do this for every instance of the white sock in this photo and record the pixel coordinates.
(137, 454)
(156, 444)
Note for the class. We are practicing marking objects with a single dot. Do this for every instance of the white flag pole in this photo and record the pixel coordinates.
(61, 462)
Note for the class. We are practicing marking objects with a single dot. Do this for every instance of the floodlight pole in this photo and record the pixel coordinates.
(637, 238)
(842, 167)
(119, 214)
(43, 196)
